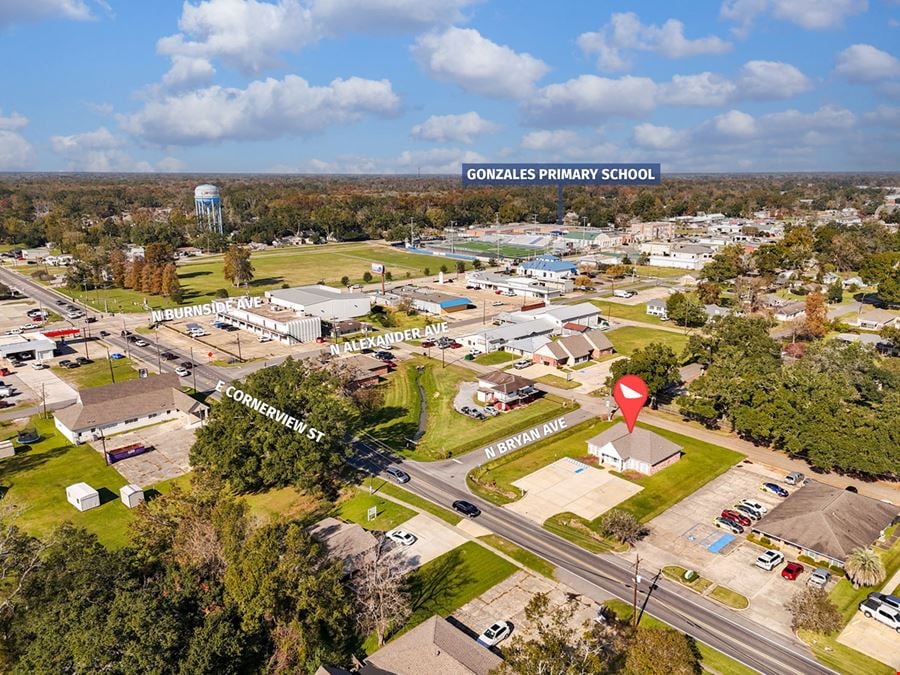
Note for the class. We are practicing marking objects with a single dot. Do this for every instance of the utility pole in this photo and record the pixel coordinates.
(84, 337)
(158, 359)
(193, 372)
(636, 581)
(240, 357)
(112, 374)
(44, 400)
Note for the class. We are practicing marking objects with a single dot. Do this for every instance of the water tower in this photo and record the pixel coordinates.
(208, 207)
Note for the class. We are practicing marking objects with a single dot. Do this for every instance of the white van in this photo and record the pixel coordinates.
(624, 294)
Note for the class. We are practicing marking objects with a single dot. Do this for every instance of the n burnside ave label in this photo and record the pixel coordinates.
(216, 307)
(526, 437)
(561, 174)
(388, 339)
(271, 412)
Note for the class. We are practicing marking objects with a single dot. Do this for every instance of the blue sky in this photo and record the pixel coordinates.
(402, 86)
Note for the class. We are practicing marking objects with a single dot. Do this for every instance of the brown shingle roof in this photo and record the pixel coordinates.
(598, 338)
(347, 542)
(113, 403)
(642, 445)
(506, 382)
(827, 520)
(431, 648)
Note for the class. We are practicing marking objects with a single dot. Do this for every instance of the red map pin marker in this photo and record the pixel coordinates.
(630, 393)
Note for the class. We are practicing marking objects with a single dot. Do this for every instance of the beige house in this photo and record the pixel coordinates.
(642, 450)
(876, 319)
(574, 349)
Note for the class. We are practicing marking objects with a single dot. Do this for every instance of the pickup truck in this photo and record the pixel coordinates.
(873, 609)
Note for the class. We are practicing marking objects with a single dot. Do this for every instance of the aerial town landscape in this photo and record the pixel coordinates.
(443, 362)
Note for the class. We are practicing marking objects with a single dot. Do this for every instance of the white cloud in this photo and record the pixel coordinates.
(703, 89)
(16, 153)
(887, 115)
(771, 80)
(386, 15)
(865, 63)
(809, 14)
(17, 11)
(462, 128)
(102, 151)
(434, 161)
(657, 137)
(170, 165)
(590, 99)
(463, 56)
(266, 109)
(188, 71)
(735, 124)
(625, 32)
(545, 139)
(246, 34)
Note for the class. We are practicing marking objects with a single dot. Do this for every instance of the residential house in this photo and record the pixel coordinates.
(790, 311)
(852, 282)
(574, 349)
(713, 311)
(347, 542)
(876, 319)
(364, 370)
(526, 347)
(498, 338)
(826, 523)
(829, 278)
(505, 390)
(641, 450)
(434, 647)
(115, 408)
(657, 308)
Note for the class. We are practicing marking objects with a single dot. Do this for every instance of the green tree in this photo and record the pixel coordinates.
(660, 651)
(864, 567)
(237, 266)
(708, 292)
(345, 280)
(835, 292)
(728, 263)
(813, 610)
(685, 310)
(460, 267)
(252, 451)
(622, 525)
(367, 276)
(798, 245)
(656, 364)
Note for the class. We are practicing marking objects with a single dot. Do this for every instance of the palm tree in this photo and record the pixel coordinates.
(864, 567)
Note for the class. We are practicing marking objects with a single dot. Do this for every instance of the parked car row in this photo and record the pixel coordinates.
(742, 515)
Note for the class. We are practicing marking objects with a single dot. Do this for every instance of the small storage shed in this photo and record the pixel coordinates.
(82, 496)
(131, 495)
(6, 449)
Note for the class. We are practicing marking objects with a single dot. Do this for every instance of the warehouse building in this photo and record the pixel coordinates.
(521, 286)
(35, 346)
(275, 322)
(103, 411)
(425, 300)
(325, 302)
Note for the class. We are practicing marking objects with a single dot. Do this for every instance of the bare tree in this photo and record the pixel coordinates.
(382, 600)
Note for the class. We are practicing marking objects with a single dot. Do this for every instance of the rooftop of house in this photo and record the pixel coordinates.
(501, 380)
(641, 444)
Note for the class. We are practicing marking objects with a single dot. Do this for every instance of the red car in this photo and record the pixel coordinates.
(738, 518)
(427, 344)
(455, 345)
(792, 570)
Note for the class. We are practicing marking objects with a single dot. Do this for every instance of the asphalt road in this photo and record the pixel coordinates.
(751, 644)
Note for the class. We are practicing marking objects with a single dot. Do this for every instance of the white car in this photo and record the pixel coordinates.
(402, 537)
(264, 338)
(14, 331)
(182, 372)
(37, 365)
(518, 365)
(755, 505)
(141, 343)
(768, 560)
(499, 631)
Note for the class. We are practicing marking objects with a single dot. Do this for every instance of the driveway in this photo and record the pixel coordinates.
(570, 485)
(433, 539)
(55, 389)
(171, 443)
(872, 638)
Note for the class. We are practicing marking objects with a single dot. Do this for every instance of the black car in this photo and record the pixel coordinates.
(103, 333)
(169, 356)
(72, 364)
(125, 333)
(851, 488)
(65, 362)
(133, 338)
(465, 508)
(186, 364)
(83, 360)
(397, 474)
(91, 319)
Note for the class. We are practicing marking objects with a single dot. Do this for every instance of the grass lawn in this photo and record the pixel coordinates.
(842, 658)
(617, 310)
(629, 338)
(286, 503)
(495, 358)
(700, 463)
(712, 660)
(201, 277)
(847, 599)
(37, 481)
(697, 583)
(558, 382)
(493, 480)
(729, 597)
(447, 432)
(420, 503)
(97, 373)
(519, 554)
(448, 582)
(355, 510)
(662, 272)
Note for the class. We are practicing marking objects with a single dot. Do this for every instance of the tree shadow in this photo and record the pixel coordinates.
(26, 460)
(432, 584)
(266, 281)
(192, 275)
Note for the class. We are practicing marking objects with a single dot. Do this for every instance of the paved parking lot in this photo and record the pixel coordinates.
(642, 296)
(433, 538)
(171, 443)
(873, 638)
(682, 535)
(508, 599)
(569, 485)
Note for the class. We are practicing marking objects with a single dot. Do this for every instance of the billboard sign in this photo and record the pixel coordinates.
(560, 174)
(378, 268)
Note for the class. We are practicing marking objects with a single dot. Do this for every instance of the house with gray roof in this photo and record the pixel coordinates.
(876, 319)
(574, 349)
(641, 450)
(825, 522)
